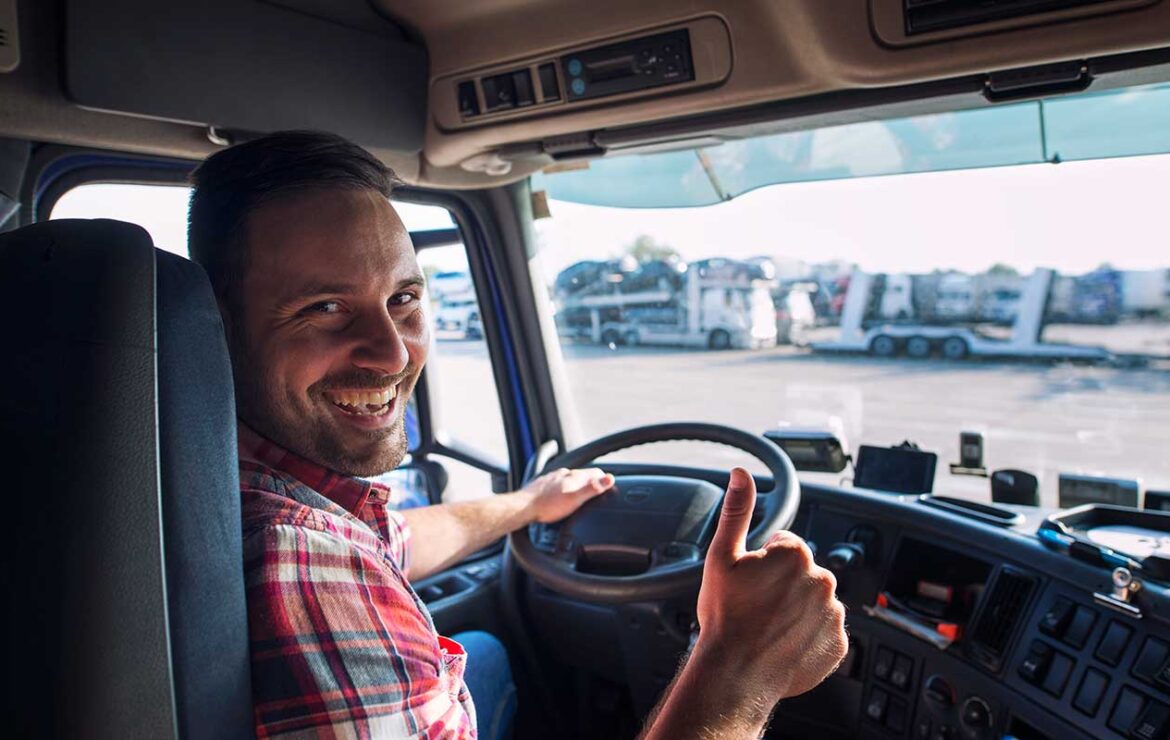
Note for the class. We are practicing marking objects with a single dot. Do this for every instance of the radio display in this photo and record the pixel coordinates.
(652, 61)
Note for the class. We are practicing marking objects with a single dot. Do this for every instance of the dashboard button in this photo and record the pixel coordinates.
(1126, 710)
(875, 708)
(1150, 659)
(468, 102)
(1055, 620)
(1113, 643)
(883, 663)
(1091, 691)
(1162, 677)
(1058, 672)
(1035, 666)
(901, 672)
(1080, 626)
(896, 716)
(1152, 723)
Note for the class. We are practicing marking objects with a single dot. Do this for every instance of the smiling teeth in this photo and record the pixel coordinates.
(363, 398)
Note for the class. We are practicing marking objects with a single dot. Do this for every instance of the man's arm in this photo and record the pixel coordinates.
(770, 628)
(442, 535)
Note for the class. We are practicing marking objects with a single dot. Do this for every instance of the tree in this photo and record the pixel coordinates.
(644, 248)
(1002, 268)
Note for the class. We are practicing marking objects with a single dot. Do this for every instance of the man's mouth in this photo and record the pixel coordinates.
(364, 402)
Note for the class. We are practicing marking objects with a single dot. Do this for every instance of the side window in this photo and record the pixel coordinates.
(160, 209)
(464, 401)
(465, 406)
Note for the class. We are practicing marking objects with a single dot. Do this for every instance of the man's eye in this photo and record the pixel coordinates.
(325, 307)
(403, 299)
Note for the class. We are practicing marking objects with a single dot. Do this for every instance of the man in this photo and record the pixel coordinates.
(322, 301)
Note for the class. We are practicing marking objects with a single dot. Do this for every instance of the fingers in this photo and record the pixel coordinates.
(735, 518)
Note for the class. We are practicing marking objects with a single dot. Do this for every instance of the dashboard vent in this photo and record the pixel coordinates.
(1003, 607)
(938, 15)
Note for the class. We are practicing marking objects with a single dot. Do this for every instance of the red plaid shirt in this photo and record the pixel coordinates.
(342, 647)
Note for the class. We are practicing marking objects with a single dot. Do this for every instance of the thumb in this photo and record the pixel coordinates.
(730, 540)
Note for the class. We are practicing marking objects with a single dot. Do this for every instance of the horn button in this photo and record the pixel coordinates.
(644, 522)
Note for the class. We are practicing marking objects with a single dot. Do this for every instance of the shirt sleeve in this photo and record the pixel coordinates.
(340, 647)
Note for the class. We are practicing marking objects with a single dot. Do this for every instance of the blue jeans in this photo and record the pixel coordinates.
(489, 679)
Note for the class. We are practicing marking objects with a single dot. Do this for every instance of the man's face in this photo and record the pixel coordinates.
(332, 334)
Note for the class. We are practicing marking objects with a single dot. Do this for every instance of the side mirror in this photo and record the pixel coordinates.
(416, 483)
(811, 450)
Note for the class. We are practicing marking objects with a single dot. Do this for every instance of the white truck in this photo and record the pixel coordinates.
(953, 342)
(713, 308)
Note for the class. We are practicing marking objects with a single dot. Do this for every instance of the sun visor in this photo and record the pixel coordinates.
(244, 64)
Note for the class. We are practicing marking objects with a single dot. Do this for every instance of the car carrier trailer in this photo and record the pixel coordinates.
(920, 340)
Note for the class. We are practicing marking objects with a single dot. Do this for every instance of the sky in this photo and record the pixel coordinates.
(1070, 216)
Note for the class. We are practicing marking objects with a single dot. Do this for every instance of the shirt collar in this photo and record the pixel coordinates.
(346, 491)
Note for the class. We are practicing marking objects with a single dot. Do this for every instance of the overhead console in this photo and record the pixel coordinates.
(680, 57)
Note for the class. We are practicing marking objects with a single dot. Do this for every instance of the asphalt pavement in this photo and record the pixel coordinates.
(1043, 418)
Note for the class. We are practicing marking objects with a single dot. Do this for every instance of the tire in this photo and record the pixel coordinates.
(883, 346)
(719, 340)
(611, 337)
(918, 347)
(955, 348)
(631, 338)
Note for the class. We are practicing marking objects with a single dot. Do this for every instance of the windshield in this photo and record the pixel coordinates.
(959, 292)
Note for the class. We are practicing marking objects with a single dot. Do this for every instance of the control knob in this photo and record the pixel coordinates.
(976, 714)
(845, 556)
(939, 690)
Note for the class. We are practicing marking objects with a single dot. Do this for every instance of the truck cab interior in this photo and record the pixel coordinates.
(627, 212)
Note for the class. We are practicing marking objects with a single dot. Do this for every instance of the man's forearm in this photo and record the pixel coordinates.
(708, 700)
(442, 535)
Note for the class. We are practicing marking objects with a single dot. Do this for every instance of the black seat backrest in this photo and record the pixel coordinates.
(123, 559)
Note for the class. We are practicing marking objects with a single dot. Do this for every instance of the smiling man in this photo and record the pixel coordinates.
(323, 305)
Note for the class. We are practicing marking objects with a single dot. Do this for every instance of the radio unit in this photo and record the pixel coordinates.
(651, 61)
(686, 56)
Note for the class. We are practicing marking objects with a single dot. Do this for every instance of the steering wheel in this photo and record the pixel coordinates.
(646, 538)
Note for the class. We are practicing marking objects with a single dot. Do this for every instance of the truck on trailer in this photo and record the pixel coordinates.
(716, 304)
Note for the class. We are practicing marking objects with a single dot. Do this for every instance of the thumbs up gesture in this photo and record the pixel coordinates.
(771, 612)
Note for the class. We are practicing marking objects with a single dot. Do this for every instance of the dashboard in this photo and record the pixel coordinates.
(1024, 649)
(959, 630)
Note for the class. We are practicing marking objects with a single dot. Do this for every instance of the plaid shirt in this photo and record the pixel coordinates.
(342, 647)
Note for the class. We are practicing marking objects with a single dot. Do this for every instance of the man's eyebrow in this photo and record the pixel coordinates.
(315, 289)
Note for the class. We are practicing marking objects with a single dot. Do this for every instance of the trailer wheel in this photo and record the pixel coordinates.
(955, 348)
(883, 346)
(719, 340)
(631, 338)
(918, 347)
(611, 337)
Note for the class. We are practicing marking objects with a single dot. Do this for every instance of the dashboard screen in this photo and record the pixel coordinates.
(895, 469)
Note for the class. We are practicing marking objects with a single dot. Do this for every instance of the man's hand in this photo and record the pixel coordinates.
(770, 628)
(771, 611)
(561, 492)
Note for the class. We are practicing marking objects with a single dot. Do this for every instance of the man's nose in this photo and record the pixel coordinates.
(380, 346)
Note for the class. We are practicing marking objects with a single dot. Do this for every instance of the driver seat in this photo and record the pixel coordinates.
(125, 612)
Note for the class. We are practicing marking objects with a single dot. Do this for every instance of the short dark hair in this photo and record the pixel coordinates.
(229, 185)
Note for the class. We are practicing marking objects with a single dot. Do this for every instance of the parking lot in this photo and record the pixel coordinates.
(1043, 418)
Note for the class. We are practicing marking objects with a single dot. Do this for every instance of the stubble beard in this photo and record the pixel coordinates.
(310, 437)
